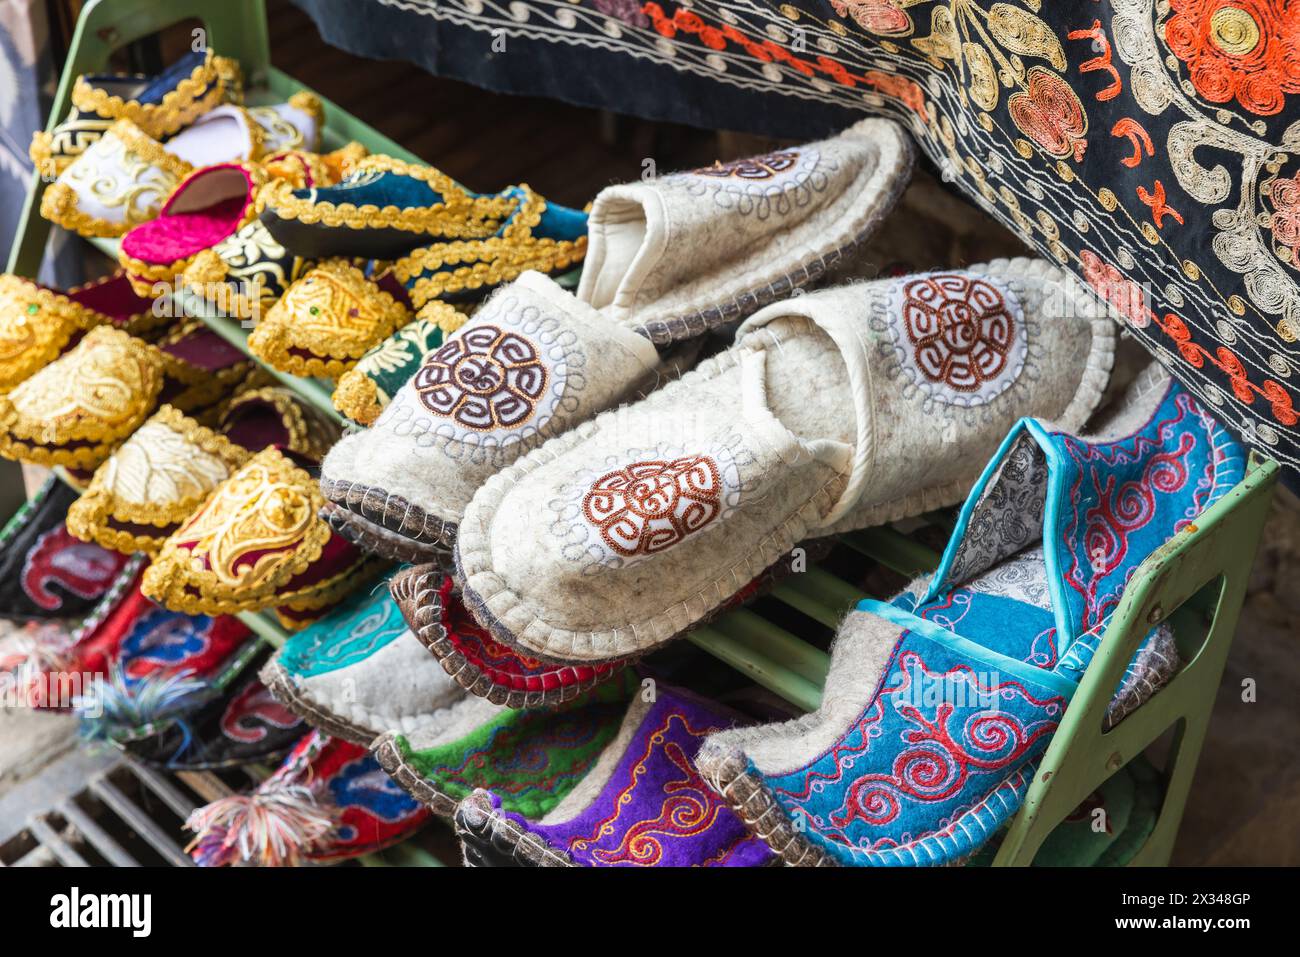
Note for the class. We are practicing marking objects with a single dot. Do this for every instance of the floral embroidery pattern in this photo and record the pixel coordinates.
(961, 334)
(648, 507)
(485, 378)
(1243, 50)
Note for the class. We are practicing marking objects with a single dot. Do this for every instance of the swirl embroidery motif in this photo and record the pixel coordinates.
(485, 378)
(647, 507)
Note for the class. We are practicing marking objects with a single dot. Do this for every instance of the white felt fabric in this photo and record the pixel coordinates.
(631, 528)
(401, 687)
(286, 127)
(115, 184)
(689, 242)
(531, 363)
(220, 135)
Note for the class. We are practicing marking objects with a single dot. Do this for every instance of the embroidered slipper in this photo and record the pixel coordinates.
(207, 207)
(229, 719)
(960, 683)
(328, 319)
(365, 390)
(166, 668)
(328, 802)
(483, 666)
(160, 475)
(293, 125)
(303, 169)
(159, 105)
(642, 804)
(38, 324)
(537, 235)
(383, 210)
(44, 571)
(532, 363)
(479, 745)
(255, 543)
(675, 256)
(358, 672)
(244, 275)
(125, 176)
(619, 535)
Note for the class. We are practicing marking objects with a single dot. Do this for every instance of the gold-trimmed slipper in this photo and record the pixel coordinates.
(38, 323)
(257, 542)
(328, 319)
(169, 466)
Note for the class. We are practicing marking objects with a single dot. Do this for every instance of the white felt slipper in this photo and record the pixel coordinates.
(677, 255)
(532, 363)
(837, 410)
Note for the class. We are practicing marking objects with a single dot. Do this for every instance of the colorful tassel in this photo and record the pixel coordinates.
(121, 707)
(275, 826)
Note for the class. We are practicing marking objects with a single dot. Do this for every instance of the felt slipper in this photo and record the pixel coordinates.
(163, 668)
(383, 210)
(642, 804)
(293, 125)
(255, 543)
(206, 207)
(358, 672)
(228, 719)
(81, 406)
(244, 275)
(160, 475)
(531, 759)
(327, 320)
(615, 537)
(44, 571)
(938, 705)
(536, 235)
(532, 363)
(329, 801)
(160, 105)
(365, 390)
(37, 324)
(431, 603)
(674, 256)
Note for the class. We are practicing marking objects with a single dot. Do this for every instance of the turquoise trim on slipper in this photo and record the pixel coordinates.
(1058, 684)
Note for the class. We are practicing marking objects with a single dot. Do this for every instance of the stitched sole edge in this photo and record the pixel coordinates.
(283, 689)
(754, 804)
(384, 748)
(376, 540)
(417, 594)
(390, 512)
(490, 840)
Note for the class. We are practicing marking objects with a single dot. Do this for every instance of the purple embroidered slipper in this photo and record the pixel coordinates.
(939, 704)
(642, 804)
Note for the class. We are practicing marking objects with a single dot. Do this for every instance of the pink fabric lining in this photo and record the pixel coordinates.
(181, 231)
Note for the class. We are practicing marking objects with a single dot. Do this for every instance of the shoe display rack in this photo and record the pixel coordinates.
(1196, 582)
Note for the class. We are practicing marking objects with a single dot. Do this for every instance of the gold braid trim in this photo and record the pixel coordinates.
(309, 103)
(459, 215)
(231, 77)
(491, 261)
(332, 589)
(195, 95)
(358, 397)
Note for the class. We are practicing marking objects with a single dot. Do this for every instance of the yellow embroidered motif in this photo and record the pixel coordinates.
(35, 326)
(98, 392)
(258, 530)
(333, 312)
(204, 88)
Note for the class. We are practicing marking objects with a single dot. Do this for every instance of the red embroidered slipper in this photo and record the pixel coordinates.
(328, 802)
(208, 206)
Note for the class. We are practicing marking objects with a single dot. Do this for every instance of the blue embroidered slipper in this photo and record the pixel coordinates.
(939, 704)
(642, 804)
(160, 105)
(384, 209)
(358, 672)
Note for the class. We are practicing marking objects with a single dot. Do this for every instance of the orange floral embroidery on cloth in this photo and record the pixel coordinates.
(1243, 50)
(485, 378)
(647, 507)
(1285, 221)
(1050, 114)
(960, 329)
(1123, 294)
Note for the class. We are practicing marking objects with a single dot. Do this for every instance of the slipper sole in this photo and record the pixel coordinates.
(408, 778)
(377, 540)
(489, 840)
(390, 512)
(282, 687)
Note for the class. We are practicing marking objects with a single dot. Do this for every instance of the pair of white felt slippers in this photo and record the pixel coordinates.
(586, 530)
(125, 176)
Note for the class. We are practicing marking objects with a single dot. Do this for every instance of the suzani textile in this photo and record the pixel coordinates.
(1146, 144)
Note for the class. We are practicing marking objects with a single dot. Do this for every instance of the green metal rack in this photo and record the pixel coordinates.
(1196, 582)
